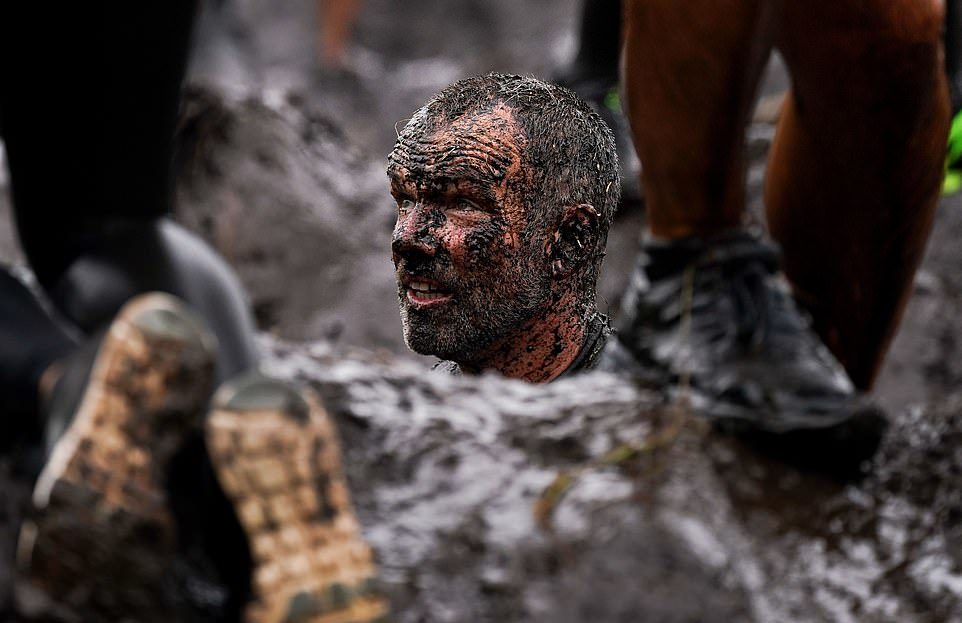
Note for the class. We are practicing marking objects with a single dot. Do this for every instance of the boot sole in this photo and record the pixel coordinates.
(276, 455)
(102, 537)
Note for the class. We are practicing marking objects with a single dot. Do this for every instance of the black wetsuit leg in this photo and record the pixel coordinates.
(91, 169)
(88, 110)
(599, 44)
(30, 341)
(594, 75)
(953, 51)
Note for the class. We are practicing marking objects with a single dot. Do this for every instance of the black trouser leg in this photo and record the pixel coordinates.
(30, 341)
(599, 43)
(87, 111)
(127, 258)
(953, 51)
(91, 177)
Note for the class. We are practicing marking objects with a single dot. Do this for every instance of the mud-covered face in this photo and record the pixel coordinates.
(468, 272)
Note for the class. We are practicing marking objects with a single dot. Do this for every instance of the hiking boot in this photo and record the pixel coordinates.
(100, 539)
(275, 452)
(716, 314)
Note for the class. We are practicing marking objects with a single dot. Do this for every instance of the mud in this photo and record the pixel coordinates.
(299, 212)
(284, 173)
(591, 500)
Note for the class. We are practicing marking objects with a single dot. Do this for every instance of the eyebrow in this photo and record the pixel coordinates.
(460, 177)
(471, 186)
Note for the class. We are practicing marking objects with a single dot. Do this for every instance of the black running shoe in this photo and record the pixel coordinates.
(717, 315)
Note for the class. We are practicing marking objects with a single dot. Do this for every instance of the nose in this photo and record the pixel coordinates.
(414, 237)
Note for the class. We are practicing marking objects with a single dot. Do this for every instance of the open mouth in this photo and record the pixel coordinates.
(425, 293)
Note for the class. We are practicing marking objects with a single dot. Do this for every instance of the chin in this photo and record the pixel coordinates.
(425, 340)
(421, 341)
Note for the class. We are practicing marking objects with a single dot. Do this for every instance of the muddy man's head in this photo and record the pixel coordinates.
(505, 189)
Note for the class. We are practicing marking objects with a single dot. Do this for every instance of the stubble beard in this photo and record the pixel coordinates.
(478, 316)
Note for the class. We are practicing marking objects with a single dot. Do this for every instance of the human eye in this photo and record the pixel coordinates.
(463, 203)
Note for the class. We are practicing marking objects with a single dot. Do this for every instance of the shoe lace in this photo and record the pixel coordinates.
(752, 303)
(763, 310)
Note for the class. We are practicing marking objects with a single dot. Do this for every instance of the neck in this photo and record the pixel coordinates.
(542, 348)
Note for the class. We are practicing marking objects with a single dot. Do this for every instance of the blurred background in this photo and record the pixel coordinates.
(395, 55)
(292, 106)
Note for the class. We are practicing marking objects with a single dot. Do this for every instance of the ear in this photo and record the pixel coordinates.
(571, 246)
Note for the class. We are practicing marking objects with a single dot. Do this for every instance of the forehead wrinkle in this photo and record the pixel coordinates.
(494, 128)
(478, 159)
(484, 148)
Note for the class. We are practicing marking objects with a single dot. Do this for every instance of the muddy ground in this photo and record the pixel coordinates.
(281, 168)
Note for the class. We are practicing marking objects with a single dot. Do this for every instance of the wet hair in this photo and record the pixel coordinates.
(569, 152)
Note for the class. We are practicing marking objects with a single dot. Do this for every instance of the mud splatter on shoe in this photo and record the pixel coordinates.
(98, 545)
(717, 313)
(276, 455)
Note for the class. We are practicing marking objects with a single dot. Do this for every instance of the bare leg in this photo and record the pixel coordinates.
(856, 167)
(691, 70)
